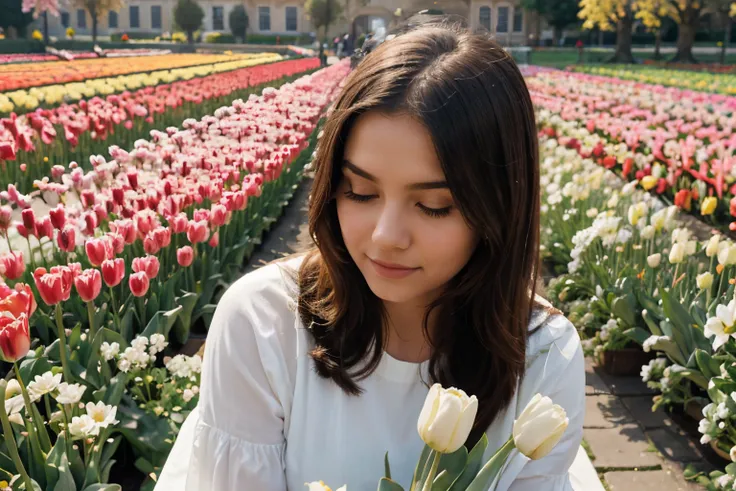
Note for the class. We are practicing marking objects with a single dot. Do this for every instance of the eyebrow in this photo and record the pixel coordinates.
(415, 186)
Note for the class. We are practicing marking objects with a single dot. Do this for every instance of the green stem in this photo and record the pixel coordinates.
(427, 486)
(62, 344)
(10, 440)
(115, 317)
(36, 426)
(67, 435)
(91, 316)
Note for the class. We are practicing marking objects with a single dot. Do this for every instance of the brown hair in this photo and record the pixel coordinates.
(469, 94)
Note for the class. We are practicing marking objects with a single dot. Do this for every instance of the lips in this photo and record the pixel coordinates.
(388, 265)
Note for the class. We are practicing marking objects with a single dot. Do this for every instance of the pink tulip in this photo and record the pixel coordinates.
(96, 250)
(12, 265)
(197, 232)
(138, 284)
(148, 264)
(218, 215)
(179, 223)
(66, 239)
(15, 337)
(215, 239)
(185, 256)
(88, 284)
(113, 271)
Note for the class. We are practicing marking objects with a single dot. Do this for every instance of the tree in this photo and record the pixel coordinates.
(97, 10)
(727, 9)
(323, 13)
(238, 22)
(42, 7)
(652, 13)
(559, 14)
(188, 15)
(607, 14)
(13, 16)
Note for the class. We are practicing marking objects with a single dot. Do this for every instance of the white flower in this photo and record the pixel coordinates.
(102, 414)
(704, 281)
(636, 211)
(109, 351)
(158, 343)
(724, 481)
(647, 232)
(83, 427)
(712, 248)
(14, 405)
(43, 384)
(654, 260)
(732, 454)
(722, 411)
(677, 253)
(604, 334)
(12, 389)
(592, 212)
(722, 325)
(187, 395)
(653, 340)
(726, 254)
(70, 393)
(321, 486)
(139, 343)
(539, 427)
(446, 418)
(124, 365)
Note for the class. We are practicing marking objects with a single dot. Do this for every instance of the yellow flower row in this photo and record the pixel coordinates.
(722, 83)
(30, 99)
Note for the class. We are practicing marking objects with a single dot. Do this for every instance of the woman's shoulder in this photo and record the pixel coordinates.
(549, 327)
(274, 283)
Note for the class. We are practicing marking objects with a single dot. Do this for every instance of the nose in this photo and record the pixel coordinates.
(392, 229)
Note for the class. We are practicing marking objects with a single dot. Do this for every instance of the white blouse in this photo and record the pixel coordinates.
(266, 420)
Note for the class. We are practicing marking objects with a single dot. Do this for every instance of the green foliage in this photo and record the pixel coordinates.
(188, 15)
(238, 19)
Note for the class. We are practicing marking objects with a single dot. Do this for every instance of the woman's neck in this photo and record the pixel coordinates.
(406, 340)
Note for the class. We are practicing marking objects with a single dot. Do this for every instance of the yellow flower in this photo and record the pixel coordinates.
(648, 182)
(708, 205)
(37, 35)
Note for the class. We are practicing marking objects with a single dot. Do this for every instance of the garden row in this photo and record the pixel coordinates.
(165, 226)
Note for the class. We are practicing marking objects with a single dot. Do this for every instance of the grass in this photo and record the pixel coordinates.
(588, 450)
(561, 58)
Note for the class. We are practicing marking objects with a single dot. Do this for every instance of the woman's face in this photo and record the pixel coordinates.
(397, 215)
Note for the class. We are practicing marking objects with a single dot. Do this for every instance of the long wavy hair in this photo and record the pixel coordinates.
(471, 97)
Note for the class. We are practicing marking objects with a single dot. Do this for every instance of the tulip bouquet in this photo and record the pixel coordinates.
(444, 425)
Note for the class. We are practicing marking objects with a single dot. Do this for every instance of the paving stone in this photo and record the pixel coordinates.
(623, 446)
(674, 444)
(640, 408)
(624, 386)
(593, 382)
(647, 480)
(605, 411)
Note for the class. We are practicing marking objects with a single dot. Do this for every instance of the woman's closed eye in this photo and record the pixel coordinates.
(432, 212)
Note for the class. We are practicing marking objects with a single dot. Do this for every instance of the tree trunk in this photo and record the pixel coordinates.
(623, 41)
(726, 40)
(658, 44)
(93, 13)
(686, 37)
(190, 37)
(556, 35)
(600, 37)
(46, 27)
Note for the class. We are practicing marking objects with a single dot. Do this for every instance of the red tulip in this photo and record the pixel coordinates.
(149, 265)
(44, 228)
(150, 245)
(118, 242)
(218, 215)
(96, 251)
(18, 300)
(22, 230)
(12, 265)
(113, 271)
(58, 217)
(197, 231)
(185, 256)
(29, 219)
(179, 223)
(15, 337)
(88, 284)
(50, 287)
(162, 235)
(138, 283)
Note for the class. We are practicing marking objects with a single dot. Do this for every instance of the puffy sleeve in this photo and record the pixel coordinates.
(557, 371)
(234, 439)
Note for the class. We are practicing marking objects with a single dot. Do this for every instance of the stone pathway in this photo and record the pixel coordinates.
(633, 448)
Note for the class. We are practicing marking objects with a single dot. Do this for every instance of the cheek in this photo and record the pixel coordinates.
(355, 222)
(449, 244)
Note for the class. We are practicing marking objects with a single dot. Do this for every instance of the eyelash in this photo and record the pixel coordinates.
(432, 212)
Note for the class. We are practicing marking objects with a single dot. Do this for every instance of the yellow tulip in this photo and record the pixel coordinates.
(648, 182)
(708, 205)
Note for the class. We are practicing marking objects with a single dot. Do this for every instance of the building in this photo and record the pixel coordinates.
(511, 24)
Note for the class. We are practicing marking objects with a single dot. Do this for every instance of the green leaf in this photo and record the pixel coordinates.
(126, 326)
(388, 485)
(109, 450)
(66, 481)
(144, 465)
(386, 467)
(625, 309)
(637, 334)
(492, 468)
(681, 320)
(152, 306)
(450, 468)
(183, 323)
(422, 466)
(475, 461)
(103, 487)
(706, 363)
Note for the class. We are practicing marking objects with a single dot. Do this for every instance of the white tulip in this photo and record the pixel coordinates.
(704, 280)
(539, 427)
(677, 253)
(321, 486)
(446, 418)
(727, 255)
(654, 260)
(712, 248)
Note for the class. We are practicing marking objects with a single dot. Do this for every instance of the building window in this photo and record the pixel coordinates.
(291, 18)
(155, 16)
(485, 18)
(218, 18)
(518, 20)
(264, 18)
(503, 20)
(112, 20)
(135, 18)
(81, 18)
(65, 19)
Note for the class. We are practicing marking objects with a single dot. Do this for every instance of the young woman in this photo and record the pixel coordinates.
(425, 215)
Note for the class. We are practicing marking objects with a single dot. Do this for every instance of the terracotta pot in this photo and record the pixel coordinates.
(694, 410)
(627, 361)
(193, 344)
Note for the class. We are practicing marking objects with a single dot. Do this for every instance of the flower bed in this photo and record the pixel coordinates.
(678, 144)
(51, 95)
(165, 226)
(34, 75)
(34, 143)
(633, 274)
(723, 83)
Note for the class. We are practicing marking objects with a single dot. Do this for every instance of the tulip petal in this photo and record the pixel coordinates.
(552, 440)
(464, 425)
(443, 426)
(429, 410)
